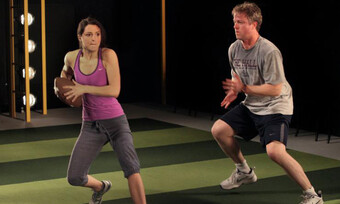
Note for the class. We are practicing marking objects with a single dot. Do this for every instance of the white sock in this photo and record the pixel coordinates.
(310, 191)
(243, 167)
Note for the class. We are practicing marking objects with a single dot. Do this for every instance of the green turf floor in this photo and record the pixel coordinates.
(179, 165)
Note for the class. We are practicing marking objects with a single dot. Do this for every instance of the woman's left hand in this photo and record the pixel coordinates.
(74, 91)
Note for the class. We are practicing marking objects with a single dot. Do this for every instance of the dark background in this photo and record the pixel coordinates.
(198, 36)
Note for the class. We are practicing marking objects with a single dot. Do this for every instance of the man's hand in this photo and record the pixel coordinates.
(230, 97)
(234, 84)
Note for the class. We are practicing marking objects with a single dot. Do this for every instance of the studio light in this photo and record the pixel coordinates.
(32, 99)
(31, 73)
(31, 46)
(30, 19)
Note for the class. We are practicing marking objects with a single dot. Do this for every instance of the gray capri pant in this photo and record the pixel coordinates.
(93, 136)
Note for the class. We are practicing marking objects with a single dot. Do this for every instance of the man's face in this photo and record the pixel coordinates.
(243, 28)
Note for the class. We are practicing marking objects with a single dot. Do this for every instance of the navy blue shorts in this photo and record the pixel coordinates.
(273, 127)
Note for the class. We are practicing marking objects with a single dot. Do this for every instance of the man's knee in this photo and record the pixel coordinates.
(273, 155)
(276, 151)
(75, 180)
(221, 129)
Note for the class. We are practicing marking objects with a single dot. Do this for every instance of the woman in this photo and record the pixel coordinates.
(97, 81)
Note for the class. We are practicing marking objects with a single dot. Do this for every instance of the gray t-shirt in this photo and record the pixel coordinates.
(262, 64)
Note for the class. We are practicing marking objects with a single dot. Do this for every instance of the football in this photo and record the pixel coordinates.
(59, 91)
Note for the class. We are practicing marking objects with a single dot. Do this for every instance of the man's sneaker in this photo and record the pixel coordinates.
(312, 198)
(97, 196)
(238, 178)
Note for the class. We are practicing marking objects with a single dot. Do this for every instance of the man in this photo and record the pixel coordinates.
(257, 70)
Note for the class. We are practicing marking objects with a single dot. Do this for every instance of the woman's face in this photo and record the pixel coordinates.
(91, 38)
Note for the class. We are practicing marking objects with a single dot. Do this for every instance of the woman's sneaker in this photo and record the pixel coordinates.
(97, 196)
(238, 178)
(312, 198)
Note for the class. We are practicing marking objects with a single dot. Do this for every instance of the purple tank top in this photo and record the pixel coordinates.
(96, 107)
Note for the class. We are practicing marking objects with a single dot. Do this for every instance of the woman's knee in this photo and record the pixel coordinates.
(76, 180)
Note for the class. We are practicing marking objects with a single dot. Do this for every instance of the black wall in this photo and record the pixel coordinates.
(4, 55)
(133, 31)
(198, 36)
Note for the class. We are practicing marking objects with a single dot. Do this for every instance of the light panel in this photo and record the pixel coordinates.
(31, 46)
(32, 99)
(31, 73)
(30, 19)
